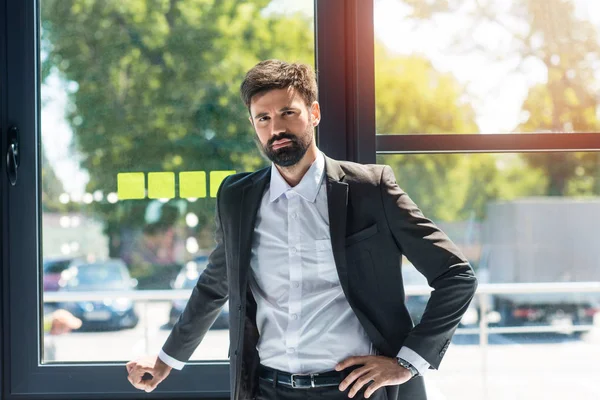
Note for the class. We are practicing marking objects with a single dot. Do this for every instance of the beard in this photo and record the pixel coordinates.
(291, 153)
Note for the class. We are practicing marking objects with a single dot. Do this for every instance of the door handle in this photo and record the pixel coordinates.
(12, 155)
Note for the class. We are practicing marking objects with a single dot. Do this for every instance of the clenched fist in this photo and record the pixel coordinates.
(153, 366)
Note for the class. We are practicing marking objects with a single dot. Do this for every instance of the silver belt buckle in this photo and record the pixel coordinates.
(293, 380)
(312, 379)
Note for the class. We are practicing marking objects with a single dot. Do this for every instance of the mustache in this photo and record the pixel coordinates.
(281, 136)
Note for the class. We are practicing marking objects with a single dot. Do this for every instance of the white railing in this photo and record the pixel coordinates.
(483, 293)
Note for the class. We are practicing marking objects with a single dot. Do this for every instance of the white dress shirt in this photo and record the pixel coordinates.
(305, 322)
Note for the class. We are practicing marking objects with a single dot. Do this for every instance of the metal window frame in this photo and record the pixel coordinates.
(345, 71)
(487, 143)
(3, 265)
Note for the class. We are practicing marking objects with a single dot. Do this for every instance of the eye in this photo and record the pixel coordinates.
(288, 112)
(263, 119)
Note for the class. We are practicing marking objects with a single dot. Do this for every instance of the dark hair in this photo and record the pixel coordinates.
(275, 74)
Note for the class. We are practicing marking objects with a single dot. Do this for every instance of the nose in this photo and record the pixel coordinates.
(278, 126)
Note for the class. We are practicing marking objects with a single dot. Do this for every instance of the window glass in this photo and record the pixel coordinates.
(141, 122)
(518, 218)
(490, 66)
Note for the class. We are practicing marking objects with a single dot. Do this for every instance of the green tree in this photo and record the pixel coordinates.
(568, 47)
(155, 88)
(566, 44)
(412, 97)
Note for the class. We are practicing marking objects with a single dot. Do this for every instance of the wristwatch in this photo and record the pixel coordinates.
(403, 363)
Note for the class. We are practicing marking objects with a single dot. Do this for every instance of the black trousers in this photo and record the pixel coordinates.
(270, 391)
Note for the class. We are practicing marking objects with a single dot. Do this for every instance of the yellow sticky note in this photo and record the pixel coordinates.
(131, 185)
(161, 185)
(192, 184)
(216, 177)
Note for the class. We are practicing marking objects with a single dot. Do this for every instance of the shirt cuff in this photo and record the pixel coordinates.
(173, 363)
(416, 360)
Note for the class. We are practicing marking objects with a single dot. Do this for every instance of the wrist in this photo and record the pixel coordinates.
(407, 366)
(162, 365)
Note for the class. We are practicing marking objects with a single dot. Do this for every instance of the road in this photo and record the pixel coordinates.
(546, 366)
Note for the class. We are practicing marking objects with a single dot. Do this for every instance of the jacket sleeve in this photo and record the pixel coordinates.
(435, 256)
(206, 301)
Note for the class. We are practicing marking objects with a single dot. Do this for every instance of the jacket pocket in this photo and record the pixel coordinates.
(361, 235)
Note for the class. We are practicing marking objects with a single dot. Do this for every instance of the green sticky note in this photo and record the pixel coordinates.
(131, 185)
(192, 184)
(216, 177)
(161, 185)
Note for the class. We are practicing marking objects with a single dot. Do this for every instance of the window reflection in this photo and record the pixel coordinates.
(141, 122)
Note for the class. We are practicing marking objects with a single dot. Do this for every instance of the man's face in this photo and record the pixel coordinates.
(284, 125)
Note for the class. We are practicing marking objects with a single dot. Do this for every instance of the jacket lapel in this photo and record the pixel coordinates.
(337, 203)
(249, 203)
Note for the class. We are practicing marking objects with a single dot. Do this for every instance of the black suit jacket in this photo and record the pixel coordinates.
(372, 224)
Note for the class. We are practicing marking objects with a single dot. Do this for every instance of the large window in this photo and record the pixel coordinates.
(457, 87)
(128, 117)
(141, 121)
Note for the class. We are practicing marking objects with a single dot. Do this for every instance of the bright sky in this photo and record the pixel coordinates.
(495, 91)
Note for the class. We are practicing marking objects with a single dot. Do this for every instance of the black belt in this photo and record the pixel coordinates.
(302, 381)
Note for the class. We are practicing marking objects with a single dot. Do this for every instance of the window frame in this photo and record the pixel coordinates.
(347, 88)
(3, 269)
(487, 143)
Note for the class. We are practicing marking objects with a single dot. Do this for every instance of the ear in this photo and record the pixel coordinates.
(315, 112)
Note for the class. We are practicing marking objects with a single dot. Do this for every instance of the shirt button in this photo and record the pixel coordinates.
(291, 350)
(295, 215)
(295, 285)
(294, 316)
(294, 250)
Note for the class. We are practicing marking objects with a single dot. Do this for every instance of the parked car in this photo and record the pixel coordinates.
(109, 275)
(53, 268)
(186, 279)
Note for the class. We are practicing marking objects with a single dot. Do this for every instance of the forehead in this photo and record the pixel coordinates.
(275, 99)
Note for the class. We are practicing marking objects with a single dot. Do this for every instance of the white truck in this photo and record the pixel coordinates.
(544, 239)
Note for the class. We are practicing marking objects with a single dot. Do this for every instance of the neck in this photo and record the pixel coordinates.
(294, 173)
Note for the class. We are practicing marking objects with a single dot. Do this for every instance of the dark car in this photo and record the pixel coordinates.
(52, 270)
(110, 313)
(186, 279)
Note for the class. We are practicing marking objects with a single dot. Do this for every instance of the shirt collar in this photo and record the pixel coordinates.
(308, 187)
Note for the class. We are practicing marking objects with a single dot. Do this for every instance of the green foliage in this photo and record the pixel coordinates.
(566, 44)
(569, 48)
(157, 87)
(414, 98)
